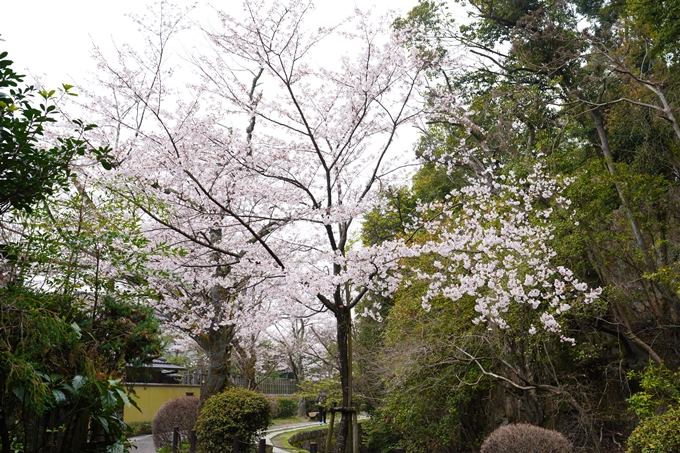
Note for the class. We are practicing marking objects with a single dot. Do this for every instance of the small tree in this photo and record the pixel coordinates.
(234, 412)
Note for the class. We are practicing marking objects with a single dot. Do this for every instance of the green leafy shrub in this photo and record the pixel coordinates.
(181, 412)
(282, 407)
(139, 428)
(525, 438)
(660, 434)
(287, 407)
(236, 411)
(659, 389)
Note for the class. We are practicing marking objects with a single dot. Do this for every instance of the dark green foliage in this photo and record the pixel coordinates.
(525, 438)
(236, 411)
(181, 412)
(430, 183)
(382, 225)
(28, 172)
(427, 419)
(57, 393)
(131, 330)
(283, 407)
(661, 19)
(432, 397)
(287, 407)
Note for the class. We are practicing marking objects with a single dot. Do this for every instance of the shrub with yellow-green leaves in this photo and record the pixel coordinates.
(659, 434)
(236, 411)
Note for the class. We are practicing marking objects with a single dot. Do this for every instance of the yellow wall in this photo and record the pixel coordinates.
(150, 397)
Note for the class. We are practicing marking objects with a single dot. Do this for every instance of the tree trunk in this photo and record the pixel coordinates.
(344, 320)
(301, 407)
(296, 364)
(216, 343)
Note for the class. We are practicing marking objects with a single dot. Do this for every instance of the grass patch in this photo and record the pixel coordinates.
(139, 428)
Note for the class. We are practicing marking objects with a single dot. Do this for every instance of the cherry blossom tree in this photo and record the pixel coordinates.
(267, 210)
(321, 143)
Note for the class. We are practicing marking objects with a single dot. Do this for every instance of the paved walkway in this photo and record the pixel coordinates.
(280, 429)
(145, 443)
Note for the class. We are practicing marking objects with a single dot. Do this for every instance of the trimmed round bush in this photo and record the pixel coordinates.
(525, 438)
(659, 434)
(181, 412)
(236, 411)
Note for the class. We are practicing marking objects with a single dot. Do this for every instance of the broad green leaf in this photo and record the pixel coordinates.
(78, 381)
(104, 422)
(123, 396)
(59, 396)
(108, 400)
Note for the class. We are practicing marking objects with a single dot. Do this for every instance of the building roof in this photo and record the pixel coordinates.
(161, 363)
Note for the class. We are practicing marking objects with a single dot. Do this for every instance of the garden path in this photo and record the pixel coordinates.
(275, 430)
(144, 443)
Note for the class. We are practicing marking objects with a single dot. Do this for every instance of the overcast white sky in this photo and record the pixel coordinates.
(53, 38)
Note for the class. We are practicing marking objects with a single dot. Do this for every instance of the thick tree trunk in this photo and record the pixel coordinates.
(344, 320)
(216, 344)
(298, 371)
